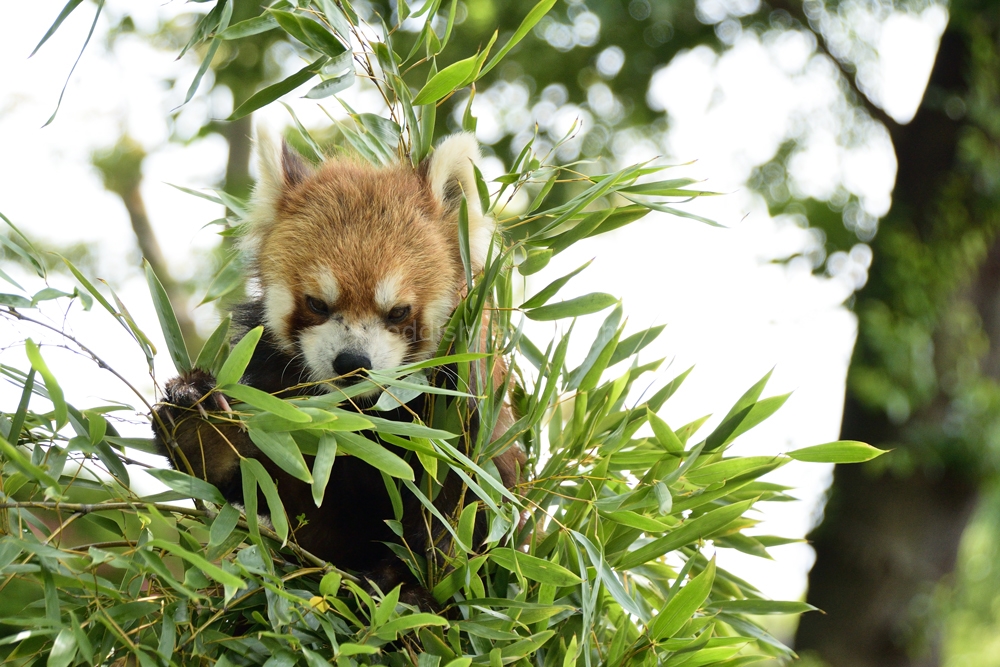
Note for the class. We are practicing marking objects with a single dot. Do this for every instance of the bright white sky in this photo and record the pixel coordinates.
(729, 312)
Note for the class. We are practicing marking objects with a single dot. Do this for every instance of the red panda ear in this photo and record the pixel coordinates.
(294, 168)
(449, 174)
(281, 169)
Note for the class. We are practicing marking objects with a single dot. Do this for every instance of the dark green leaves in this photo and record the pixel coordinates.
(309, 32)
(271, 93)
(168, 321)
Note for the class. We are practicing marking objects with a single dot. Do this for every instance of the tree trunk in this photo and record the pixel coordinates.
(892, 528)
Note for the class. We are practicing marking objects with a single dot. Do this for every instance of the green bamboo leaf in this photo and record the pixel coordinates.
(721, 471)
(336, 19)
(239, 357)
(661, 188)
(529, 22)
(281, 448)
(842, 451)
(311, 33)
(446, 81)
(467, 525)
(675, 211)
(51, 385)
(332, 85)
(534, 568)
(610, 578)
(275, 509)
(762, 607)
(586, 375)
(690, 531)
(683, 605)
(551, 289)
(168, 321)
(580, 230)
(391, 630)
(253, 26)
(664, 434)
(17, 422)
(223, 524)
(326, 454)
(264, 401)
(213, 571)
(519, 649)
(213, 346)
(63, 649)
(192, 487)
(227, 14)
(635, 343)
(229, 277)
(537, 259)
(66, 11)
(581, 305)
(374, 455)
(93, 25)
(269, 94)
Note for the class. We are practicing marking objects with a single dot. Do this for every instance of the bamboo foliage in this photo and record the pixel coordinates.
(602, 556)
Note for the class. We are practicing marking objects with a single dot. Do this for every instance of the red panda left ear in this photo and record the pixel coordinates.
(294, 169)
(281, 169)
(449, 174)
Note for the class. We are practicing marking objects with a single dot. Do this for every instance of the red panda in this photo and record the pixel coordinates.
(357, 268)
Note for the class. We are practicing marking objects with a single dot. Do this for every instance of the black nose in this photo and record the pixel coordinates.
(348, 362)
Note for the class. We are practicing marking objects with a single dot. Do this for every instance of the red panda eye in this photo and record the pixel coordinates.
(317, 306)
(398, 314)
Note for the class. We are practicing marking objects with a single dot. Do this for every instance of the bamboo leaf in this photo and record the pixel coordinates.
(275, 508)
(534, 568)
(51, 385)
(529, 22)
(265, 401)
(168, 321)
(269, 94)
(446, 81)
(239, 358)
(213, 346)
(311, 33)
(281, 448)
(374, 455)
(581, 305)
(192, 487)
(842, 451)
(683, 605)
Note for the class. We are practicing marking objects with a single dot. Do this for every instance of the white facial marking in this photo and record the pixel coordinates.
(322, 344)
(387, 292)
(278, 305)
(329, 287)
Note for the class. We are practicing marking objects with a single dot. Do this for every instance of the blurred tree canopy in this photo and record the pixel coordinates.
(923, 378)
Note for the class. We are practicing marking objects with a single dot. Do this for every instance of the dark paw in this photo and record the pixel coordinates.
(190, 389)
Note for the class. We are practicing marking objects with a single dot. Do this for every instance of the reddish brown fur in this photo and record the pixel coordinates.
(340, 220)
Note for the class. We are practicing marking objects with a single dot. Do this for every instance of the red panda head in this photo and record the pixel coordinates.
(359, 266)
